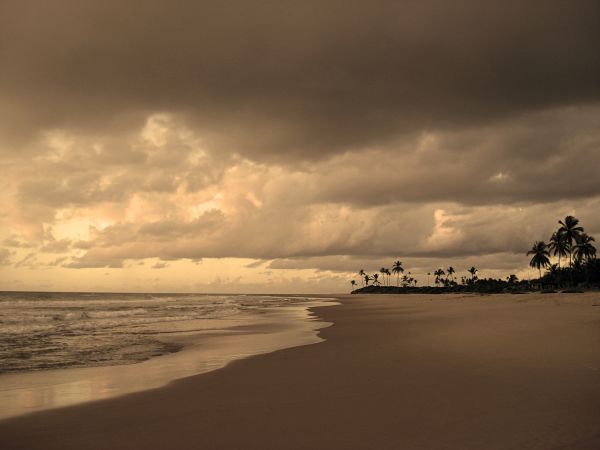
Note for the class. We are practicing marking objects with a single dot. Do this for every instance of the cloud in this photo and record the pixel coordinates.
(88, 263)
(14, 242)
(255, 264)
(532, 158)
(302, 135)
(5, 256)
(58, 261)
(56, 246)
(441, 198)
(448, 231)
(293, 80)
(30, 261)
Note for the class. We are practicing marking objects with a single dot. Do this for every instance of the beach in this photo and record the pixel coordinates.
(393, 372)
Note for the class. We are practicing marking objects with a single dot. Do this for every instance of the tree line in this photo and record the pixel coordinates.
(569, 243)
(383, 277)
(570, 239)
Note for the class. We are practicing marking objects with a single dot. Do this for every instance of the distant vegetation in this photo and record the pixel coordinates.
(569, 240)
(568, 243)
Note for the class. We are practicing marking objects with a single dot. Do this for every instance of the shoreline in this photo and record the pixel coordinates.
(486, 289)
(411, 372)
(199, 351)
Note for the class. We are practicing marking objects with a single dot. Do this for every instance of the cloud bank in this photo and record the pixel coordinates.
(296, 133)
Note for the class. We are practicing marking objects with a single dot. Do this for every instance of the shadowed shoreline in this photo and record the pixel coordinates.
(483, 287)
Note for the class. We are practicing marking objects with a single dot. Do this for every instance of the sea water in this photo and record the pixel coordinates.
(58, 349)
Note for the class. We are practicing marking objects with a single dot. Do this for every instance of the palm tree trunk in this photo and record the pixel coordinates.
(587, 272)
(571, 259)
(571, 267)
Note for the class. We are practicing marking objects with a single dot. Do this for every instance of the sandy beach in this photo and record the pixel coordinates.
(394, 372)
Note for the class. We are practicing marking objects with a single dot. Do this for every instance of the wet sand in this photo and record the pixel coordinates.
(395, 372)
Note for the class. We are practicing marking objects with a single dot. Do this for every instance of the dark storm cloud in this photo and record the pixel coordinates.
(537, 157)
(287, 78)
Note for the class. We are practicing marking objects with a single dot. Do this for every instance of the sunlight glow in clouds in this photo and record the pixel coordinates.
(145, 219)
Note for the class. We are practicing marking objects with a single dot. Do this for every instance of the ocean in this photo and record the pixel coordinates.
(58, 349)
(43, 330)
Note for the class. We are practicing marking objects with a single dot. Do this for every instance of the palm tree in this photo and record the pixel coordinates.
(361, 274)
(585, 250)
(404, 280)
(397, 269)
(383, 271)
(570, 230)
(558, 245)
(375, 279)
(389, 275)
(353, 283)
(367, 278)
(451, 272)
(473, 271)
(540, 256)
(439, 273)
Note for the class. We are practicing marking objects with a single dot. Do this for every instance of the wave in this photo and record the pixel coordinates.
(43, 330)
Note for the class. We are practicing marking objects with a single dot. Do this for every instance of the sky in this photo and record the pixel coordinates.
(281, 146)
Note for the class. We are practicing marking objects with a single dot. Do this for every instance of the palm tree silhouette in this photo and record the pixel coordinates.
(473, 271)
(367, 278)
(353, 283)
(439, 273)
(585, 250)
(397, 269)
(375, 279)
(383, 272)
(558, 245)
(571, 232)
(404, 280)
(361, 274)
(451, 272)
(540, 256)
